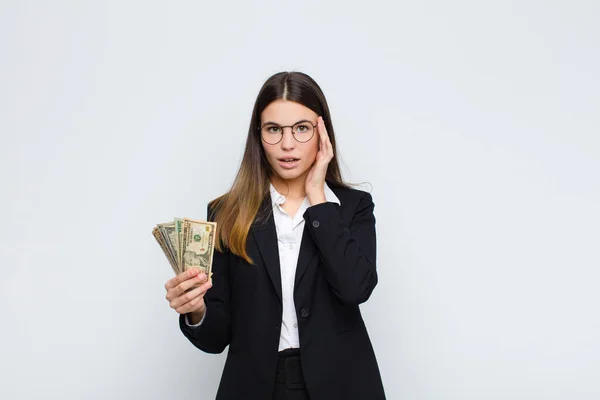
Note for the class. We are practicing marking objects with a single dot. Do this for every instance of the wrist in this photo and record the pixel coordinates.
(196, 316)
(316, 198)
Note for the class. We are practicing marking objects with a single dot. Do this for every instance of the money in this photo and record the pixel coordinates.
(169, 235)
(187, 243)
(198, 245)
(179, 230)
(163, 246)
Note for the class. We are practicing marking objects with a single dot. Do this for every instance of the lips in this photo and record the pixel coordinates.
(288, 162)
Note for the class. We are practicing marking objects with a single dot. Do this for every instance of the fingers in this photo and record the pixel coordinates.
(183, 286)
(322, 134)
(190, 273)
(324, 142)
(190, 306)
(322, 131)
(187, 301)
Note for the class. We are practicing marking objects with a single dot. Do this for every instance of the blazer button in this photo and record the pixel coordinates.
(304, 312)
(316, 224)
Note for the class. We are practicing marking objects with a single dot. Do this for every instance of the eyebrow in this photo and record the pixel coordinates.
(275, 123)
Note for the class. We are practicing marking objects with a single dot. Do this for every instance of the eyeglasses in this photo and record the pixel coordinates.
(302, 131)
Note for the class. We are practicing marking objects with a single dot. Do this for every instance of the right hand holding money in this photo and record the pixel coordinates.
(184, 301)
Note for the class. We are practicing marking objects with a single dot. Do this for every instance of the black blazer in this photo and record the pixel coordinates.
(335, 273)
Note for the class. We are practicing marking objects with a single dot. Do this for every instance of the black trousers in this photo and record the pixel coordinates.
(289, 381)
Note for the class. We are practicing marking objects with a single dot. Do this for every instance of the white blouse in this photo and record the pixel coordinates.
(289, 236)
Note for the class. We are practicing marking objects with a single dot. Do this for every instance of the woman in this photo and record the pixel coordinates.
(294, 257)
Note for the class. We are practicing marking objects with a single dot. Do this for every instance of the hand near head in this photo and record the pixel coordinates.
(315, 180)
(184, 300)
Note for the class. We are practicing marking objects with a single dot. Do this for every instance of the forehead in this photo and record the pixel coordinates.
(286, 112)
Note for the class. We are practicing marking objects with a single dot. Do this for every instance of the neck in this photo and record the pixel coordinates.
(293, 189)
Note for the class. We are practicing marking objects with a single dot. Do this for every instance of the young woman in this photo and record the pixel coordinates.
(294, 257)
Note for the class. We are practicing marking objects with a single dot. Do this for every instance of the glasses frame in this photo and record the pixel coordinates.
(283, 131)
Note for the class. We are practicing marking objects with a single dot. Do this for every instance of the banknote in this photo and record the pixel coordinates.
(169, 235)
(179, 235)
(159, 238)
(187, 243)
(198, 245)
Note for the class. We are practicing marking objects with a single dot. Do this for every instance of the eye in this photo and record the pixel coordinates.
(302, 128)
(273, 129)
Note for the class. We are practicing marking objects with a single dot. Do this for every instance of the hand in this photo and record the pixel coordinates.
(184, 301)
(315, 180)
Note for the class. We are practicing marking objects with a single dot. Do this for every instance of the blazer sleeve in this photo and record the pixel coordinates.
(214, 334)
(348, 254)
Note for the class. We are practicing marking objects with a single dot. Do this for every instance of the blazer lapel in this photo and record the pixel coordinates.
(308, 251)
(265, 237)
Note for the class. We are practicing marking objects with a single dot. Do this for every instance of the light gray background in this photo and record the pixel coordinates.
(476, 123)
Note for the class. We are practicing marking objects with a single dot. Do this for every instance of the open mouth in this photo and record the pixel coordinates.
(289, 160)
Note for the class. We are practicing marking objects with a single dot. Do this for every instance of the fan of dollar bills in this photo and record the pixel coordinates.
(187, 243)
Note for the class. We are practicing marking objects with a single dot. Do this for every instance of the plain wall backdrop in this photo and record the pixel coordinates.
(475, 125)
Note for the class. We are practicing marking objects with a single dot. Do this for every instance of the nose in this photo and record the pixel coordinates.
(288, 141)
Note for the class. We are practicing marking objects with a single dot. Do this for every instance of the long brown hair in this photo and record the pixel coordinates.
(236, 210)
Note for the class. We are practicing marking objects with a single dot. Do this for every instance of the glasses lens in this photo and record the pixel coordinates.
(303, 131)
(271, 133)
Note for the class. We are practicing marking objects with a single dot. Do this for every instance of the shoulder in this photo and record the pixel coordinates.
(355, 204)
(214, 205)
(350, 196)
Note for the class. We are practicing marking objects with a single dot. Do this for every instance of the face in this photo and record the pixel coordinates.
(286, 113)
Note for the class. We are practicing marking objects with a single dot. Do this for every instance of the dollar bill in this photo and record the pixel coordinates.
(157, 235)
(170, 237)
(179, 235)
(198, 245)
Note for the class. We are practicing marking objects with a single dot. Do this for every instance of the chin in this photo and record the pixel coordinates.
(290, 174)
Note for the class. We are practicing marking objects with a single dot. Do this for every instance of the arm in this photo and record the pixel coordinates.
(348, 254)
(213, 333)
